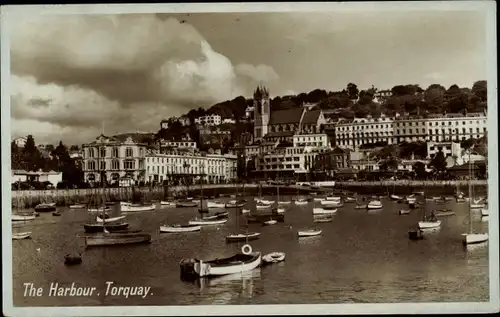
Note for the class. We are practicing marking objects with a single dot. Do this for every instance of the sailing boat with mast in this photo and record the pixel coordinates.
(470, 237)
(238, 237)
(203, 209)
(18, 217)
(428, 222)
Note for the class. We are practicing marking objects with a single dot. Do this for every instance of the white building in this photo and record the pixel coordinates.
(216, 167)
(449, 149)
(229, 121)
(311, 140)
(249, 111)
(409, 129)
(52, 177)
(178, 144)
(114, 157)
(208, 120)
(184, 120)
(353, 133)
(456, 127)
(21, 142)
(164, 124)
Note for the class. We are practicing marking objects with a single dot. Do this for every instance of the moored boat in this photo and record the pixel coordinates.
(270, 222)
(309, 232)
(217, 215)
(404, 211)
(45, 207)
(56, 213)
(180, 228)
(429, 224)
(78, 206)
(261, 205)
(108, 219)
(273, 257)
(137, 208)
(215, 204)
(474, 238)
(284, 202)
(22, 218)
(21, 235)
(238, 263)
(245, 211)
(322, 219)
(485, 212)
(100, 209)
(235, 203)
(374, 204)
(242, 237)
(279, 210)
(396, 197)
(323, 211)
(99, 227)
(332, 203)
(186, 204)
(106, 239)
(350, 199)
(444, 213)
(301, 201)
(73, 258)
(361, 206)
(207, 222)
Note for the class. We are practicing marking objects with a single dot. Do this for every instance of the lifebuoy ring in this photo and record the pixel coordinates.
(246, 249)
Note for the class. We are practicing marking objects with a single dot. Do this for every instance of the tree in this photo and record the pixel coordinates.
(352, 91)
(32, 159)
(74, 148)
(438, 162)
(419, 169)
(389, 164)
(480, 89)
(15, 156)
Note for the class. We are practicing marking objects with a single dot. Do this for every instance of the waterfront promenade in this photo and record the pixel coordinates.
(62, 197)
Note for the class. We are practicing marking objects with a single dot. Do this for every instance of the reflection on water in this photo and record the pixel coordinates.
(476, 247)
(228, 288)
(309, 240)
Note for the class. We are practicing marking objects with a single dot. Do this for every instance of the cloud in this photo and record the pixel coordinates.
(76, 70)
(434, 76)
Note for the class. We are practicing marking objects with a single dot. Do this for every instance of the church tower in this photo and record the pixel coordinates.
(262, 105)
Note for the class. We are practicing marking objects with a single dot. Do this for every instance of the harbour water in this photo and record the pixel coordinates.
(361, 257)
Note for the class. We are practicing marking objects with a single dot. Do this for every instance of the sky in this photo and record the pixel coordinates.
(76, 76)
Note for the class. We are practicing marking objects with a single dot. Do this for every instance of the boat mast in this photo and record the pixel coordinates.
(470, 196)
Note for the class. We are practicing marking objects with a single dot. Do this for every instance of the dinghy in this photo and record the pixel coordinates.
(284, 202)
(331, 203)
(273, 257)
(109, 219)
(323, 211)
(22, 218)
(217, 215)
(125, 203)
(99, 227)
(270, 222)
(215, 204)
(236, 203)
(319, 198)
(21, 235)
(444, 213)
(474, 238)
(477, 206)
(245, 211)
(180, 228)
(72, 258)
(374, 204)
(404, 211)
(238, 263)
(186, 204)
(309, 232)
(396, 197)
(78, 206)
(137, 208)
(117, 238)
(426, 224)
(363, 206)
(485, 212)
(279, 210)
(45, 207)
(350, 199)
(207, 222)
(242, 237)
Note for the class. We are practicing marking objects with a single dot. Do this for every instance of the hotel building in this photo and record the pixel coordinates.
(208, 120)
(353, 133)
(114, 158)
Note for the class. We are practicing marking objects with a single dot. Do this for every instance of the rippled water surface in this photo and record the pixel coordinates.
(361, 257)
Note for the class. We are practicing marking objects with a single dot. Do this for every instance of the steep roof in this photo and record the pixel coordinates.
(311, 117)
(279, 134)
(286, 116)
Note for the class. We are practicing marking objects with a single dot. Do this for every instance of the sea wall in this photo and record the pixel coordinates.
(405, 187)
(64, 197)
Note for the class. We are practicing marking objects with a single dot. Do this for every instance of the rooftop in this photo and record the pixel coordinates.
(311, 117)
(286, 116)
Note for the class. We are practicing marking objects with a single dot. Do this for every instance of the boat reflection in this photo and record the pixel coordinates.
(309, 240)
(224, 289)
(476, 247)
(485, 219)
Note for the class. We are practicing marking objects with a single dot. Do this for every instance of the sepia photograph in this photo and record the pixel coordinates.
(250, 159)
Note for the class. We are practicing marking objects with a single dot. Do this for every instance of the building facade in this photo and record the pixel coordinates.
(209, 120)
(353, 133)
(213, 168)
(449, 149)
(456, 127)
(114, 158)
(20, 142)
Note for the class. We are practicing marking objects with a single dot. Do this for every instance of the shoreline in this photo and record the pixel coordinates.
(66, 197)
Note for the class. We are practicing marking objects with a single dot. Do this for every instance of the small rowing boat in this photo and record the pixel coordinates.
(309, 232)
(273, 257)
(21, 235)
(180, 228)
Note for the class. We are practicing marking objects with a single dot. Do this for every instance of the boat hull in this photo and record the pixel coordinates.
(130, 208)
(98, 227)
(45, 208)
(21, 235)
(239, 263)
(176, 229)
(266, 217)
(242, 237)
(429, 224)
(321, 211)
(474, 238)
(273, 257)
(22, 218)
(302, 234)
(118, 239)
(77, 206)
(207, 222)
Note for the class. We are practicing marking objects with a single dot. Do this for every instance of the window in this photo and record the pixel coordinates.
(91, 153)
(115, 152)
(91, 165)
(103, 166)
(129, 152)
(102, 152)
(129, 165)
(115, 164)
